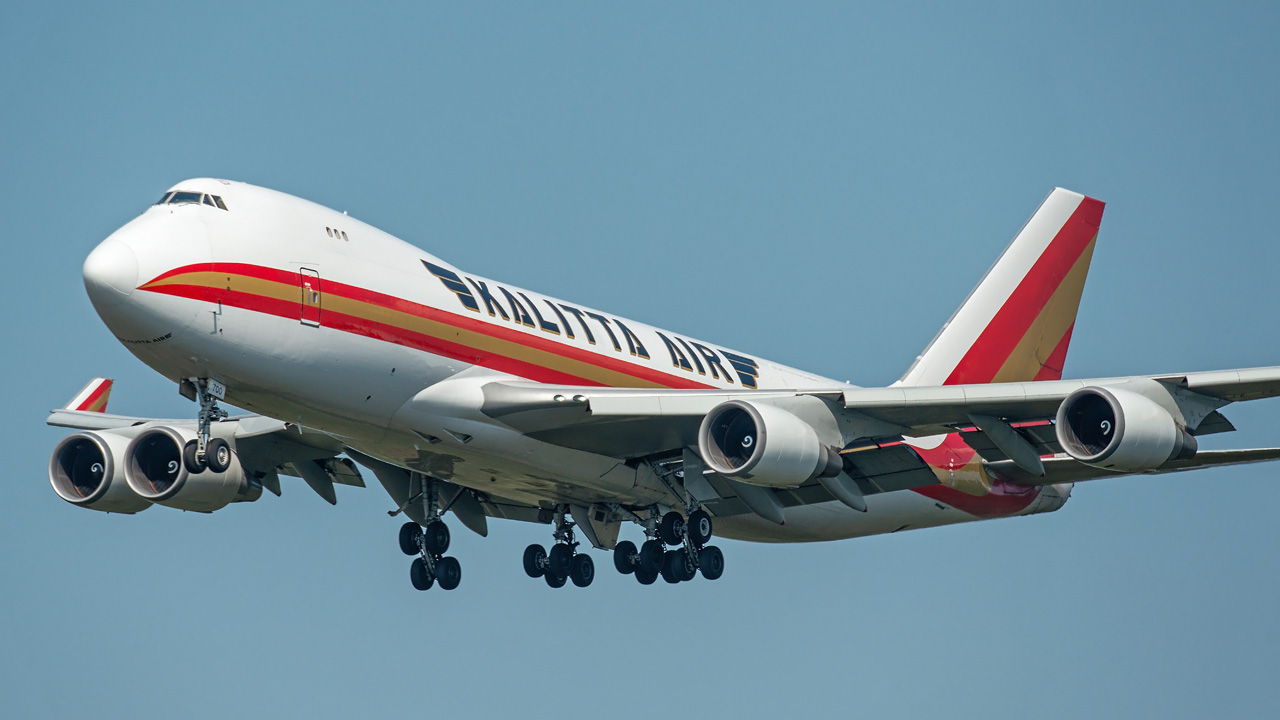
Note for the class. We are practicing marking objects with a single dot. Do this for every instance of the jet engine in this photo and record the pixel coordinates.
(1120, 430)
(763, 445)
(154, 470)
(86, 470)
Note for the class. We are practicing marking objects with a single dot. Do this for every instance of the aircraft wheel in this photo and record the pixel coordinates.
(448, 572)
(217, 454)
(645, 577)
(555, 581)
(624, 554)
(535, 560)
(189, 459)
(558, 560)
(436, 535)
(711, 562)
(651, 553)
(685, 569)
(673, 566)
(582, 570)
(699, 527)
(672, 528)
(410, 538)
(420, 576)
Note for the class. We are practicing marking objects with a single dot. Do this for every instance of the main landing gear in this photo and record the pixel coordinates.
(564, 562)
(691, 555)
(430, 543)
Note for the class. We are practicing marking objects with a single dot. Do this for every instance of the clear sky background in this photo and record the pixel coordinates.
(819, 184)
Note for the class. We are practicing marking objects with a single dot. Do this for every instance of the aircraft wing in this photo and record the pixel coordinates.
(653, 425)
(637, 422)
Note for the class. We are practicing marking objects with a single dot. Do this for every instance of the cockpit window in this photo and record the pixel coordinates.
(182, 197)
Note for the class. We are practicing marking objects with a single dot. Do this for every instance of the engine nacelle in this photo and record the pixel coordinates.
(85, 469)
(154, 470)
(1120, 430)
(763, 445)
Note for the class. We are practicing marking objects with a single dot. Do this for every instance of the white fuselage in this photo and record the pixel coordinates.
(312, 317)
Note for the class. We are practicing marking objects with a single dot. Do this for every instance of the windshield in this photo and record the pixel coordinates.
(183, 197)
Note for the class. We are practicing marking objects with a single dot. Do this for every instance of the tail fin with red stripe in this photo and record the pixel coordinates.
(93, 398)
(1016, 324)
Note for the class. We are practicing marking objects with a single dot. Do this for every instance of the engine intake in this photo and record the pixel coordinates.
(85, 470)
(763, 445)
(154, 470)
(1120, 430)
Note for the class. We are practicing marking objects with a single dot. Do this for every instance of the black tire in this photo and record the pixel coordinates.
(699, 528)
(650, 559)
(582, 570)
(645, 577)
(217, 455)
(558, 560)
(711, 562)
(189, 460)
(555, 581)
(535, 561)
(673, 566)
(625, 556)
(448, 572)
(410, 535)
(672, 528)
(436, 537)
(420, 576)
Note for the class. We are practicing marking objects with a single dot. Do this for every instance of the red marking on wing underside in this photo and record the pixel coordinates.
(953, 454)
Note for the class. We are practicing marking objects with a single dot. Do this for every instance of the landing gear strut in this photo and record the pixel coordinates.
(202, 452)
(430, 543)
(564, 562)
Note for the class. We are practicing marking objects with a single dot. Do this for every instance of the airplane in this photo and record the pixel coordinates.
(466, 395)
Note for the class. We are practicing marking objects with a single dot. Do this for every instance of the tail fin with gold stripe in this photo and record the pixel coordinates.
(1016, 324)
(93, 398)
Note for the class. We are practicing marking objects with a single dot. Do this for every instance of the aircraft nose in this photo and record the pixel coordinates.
(110, 273)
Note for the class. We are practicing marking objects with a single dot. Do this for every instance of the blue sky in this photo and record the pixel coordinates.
(818, 185)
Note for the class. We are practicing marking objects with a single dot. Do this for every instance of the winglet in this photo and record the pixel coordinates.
(1016, 324)
(93, 398)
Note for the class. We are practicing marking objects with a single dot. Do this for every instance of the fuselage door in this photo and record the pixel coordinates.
(309, 281)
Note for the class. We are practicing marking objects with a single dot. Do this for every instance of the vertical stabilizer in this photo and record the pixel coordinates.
(93, 398)
(1016, 324)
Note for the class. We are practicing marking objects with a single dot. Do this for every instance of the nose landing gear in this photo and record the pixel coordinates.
(203, 452)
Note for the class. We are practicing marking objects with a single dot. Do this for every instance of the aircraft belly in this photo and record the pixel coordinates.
(886, 513)
(502, 462)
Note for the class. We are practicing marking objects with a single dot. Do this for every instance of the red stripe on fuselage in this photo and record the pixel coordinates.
(409, 338)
